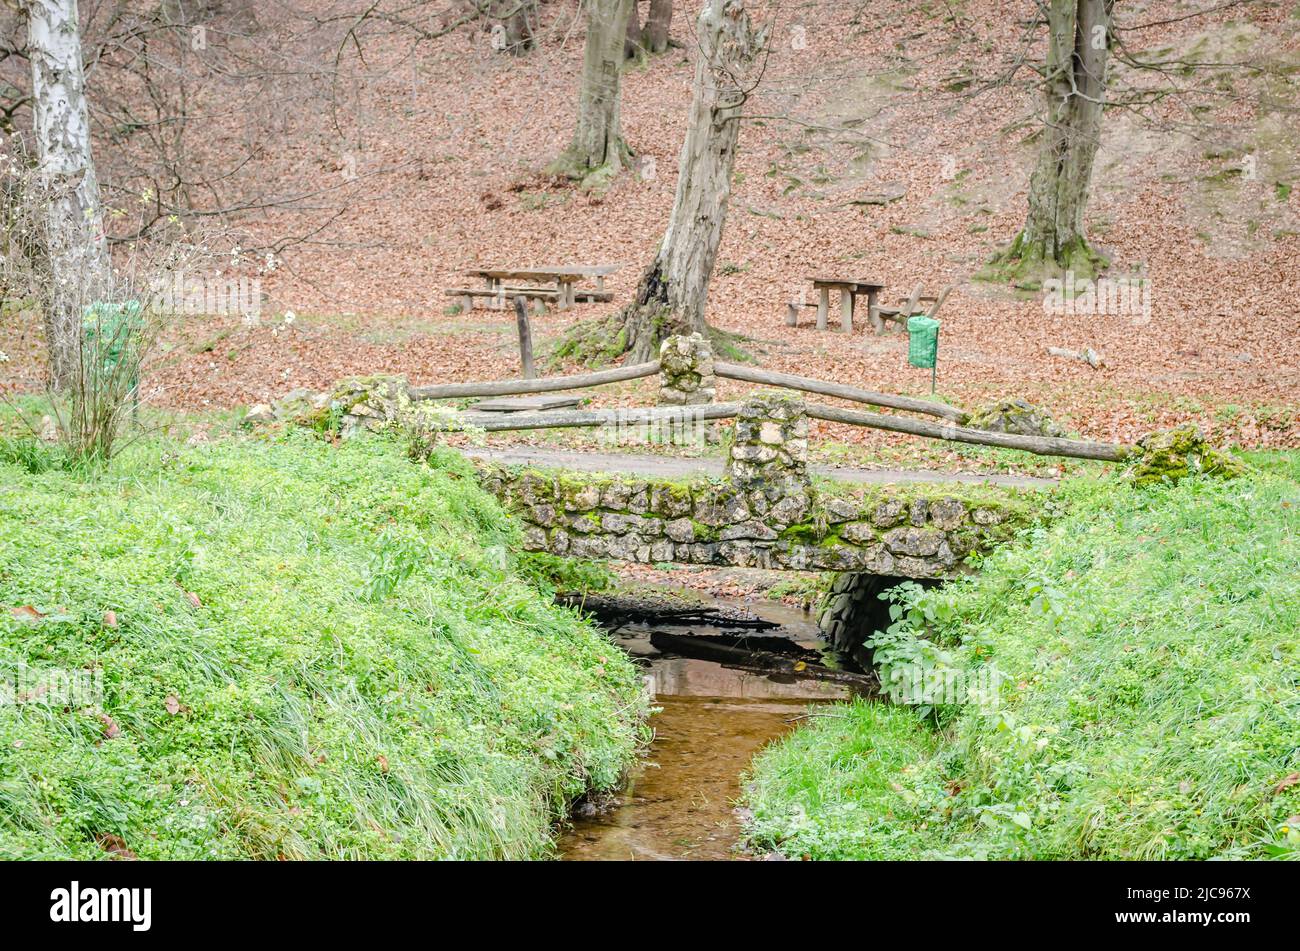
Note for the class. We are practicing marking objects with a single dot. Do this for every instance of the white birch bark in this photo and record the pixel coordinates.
(75, 246)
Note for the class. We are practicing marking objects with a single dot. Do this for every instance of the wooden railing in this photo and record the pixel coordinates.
(734, 371)
(953, 428)
(578, 381)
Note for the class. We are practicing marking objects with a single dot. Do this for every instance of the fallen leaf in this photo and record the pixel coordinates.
(110, 619)
(26, 613)
(193, 599)
(111, 730)
(383, 762)
(116, 847)
(1287, 783)
(172, 704)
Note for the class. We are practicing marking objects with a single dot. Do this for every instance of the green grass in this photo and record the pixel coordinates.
(361, 672)
(1150, 642)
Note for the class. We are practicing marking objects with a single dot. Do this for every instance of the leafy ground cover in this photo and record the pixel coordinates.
(279, 648)
(1148, 649)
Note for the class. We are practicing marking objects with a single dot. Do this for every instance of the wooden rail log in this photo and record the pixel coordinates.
(578, 381)
(501, 422)
(1040, 445)
(823, 388)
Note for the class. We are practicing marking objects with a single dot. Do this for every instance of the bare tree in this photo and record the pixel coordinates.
(73, 226)
(632, 47)
(653, 36)
(1075, 90)
(673, 291)
(660, 18)
(518, 24)
(598, 151)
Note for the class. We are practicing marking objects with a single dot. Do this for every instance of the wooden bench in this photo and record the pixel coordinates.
(884, 316)
(540, 296)
(593, 297)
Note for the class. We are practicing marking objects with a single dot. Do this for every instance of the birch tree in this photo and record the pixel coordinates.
(1075, 85)
(74, 245)
(674, 289)
(598, 151)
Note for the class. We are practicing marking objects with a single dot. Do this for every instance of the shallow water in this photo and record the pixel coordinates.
(713, 719)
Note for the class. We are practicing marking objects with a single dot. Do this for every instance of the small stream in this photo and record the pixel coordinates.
(713, 719)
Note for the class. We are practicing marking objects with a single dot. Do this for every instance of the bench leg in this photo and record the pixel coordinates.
(823, 306)
(846, 311)
(539, 307)
(466, 304)
(873, 312)
(792, 315)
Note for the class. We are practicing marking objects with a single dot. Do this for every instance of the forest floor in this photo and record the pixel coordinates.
(445, 151)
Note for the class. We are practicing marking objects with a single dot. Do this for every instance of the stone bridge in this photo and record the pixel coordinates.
(766, 510)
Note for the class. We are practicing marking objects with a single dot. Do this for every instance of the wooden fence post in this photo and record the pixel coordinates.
(525, 338)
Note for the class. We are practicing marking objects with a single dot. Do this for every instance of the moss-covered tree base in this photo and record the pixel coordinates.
(596, 178)
(602, 340)
(590, 343)
(1027, 263)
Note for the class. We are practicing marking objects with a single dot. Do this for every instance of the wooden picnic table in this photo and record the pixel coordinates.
(564, 277)
(849, 288)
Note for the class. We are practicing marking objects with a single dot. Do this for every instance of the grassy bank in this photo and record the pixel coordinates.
(301, 651)
(1150, 645)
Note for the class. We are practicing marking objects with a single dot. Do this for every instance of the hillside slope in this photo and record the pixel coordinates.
(288, 650)
(442, 143)
(1147, 645)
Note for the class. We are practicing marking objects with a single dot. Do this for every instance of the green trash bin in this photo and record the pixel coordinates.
(923, 344)
(112, 330)
(111, 334)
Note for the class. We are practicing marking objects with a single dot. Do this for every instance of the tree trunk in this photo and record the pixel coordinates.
(598, 152)
(73, 222)
(657, 24)
(674, 289)
(632, 47)
(1054, 238)
(518, 25)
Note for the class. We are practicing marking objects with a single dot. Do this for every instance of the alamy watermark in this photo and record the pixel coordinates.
(679, 426)
(942, 686)
(133, 906)
(1107, 296)
(54, 686)
(209, 296)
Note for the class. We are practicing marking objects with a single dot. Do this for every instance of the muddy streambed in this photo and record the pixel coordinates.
(713, 718)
